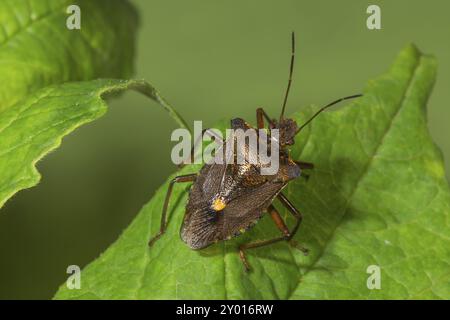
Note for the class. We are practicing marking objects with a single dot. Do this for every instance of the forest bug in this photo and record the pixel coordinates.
(226, 199)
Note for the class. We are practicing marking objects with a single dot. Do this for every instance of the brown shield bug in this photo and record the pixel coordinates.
(226, 199)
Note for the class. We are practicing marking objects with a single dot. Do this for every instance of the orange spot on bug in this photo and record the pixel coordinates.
(218, 204)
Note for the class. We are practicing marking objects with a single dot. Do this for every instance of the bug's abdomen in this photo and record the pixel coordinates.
(204, 224)
(201, 229)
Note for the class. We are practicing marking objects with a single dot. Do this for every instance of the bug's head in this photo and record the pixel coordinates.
(288, 128)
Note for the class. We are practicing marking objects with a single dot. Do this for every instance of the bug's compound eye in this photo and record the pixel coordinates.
(218, 204)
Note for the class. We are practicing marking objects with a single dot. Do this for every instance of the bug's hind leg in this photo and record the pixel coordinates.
(298, 216)
(281, 225)
(162, 228)
(260, 243)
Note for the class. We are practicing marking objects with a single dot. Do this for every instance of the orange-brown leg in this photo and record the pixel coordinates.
(260, 116)
(304, 165)
(162, 228)
(281, 225)
(298, 216)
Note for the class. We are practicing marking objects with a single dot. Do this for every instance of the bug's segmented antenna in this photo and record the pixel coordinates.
(326, 107)
(291, 70)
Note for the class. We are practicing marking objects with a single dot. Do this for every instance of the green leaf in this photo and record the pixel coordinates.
(378, 196)
(35, 126)
(37, 49)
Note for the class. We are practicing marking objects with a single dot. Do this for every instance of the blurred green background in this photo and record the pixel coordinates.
(211, 60)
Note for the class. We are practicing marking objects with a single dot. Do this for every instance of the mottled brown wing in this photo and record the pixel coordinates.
(203, 226)
(245, 210)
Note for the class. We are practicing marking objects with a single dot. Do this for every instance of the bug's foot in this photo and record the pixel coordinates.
(305, 176)
(182, 165)
(244, 260)
(305, 165)
(156, 237)
(298, 246)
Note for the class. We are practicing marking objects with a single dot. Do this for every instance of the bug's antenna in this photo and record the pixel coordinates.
(291, 69)
(326, 107)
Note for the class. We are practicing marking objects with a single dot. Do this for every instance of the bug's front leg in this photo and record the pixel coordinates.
(260, 116)
(162, 228)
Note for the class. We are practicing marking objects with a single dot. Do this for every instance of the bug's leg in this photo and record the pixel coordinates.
(303, 166)
(298, 216)
(281, 225)
(256, 244)
(305, 175)
(162, 228)
(260, 116)
(211, 133)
